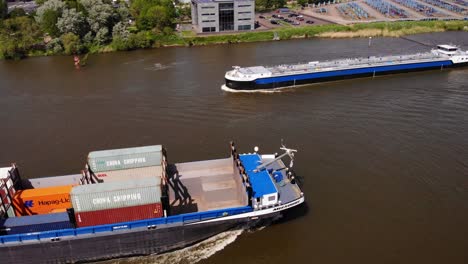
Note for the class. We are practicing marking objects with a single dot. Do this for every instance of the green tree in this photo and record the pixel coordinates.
(302, 2)
(55, 5)
(49, 22)
(123, 12)
(71, 43)
(120, 37)
(263, 4)
(151, 14)
(120, 30)
(17, 12)
(102, 36)
(279, 3)
(17, 36)
(72, 21)
(55, 45)
(75, 4)
(98, 14)
(3, 9)
(140, 40)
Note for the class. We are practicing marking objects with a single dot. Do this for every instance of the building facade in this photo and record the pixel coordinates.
(223, 15)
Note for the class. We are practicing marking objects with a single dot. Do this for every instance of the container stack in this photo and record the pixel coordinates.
(35, 223)
(125, 164)
(42, 200)
(117, 201)
(9, 182)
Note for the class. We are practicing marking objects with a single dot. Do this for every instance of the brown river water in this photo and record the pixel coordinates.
(384, 161)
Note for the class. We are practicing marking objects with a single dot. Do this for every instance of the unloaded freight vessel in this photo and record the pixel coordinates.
(260, 78)
(132, 202)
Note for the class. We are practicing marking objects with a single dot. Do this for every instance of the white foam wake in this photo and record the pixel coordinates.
(186, 255)
(229, 90)
(271, 90)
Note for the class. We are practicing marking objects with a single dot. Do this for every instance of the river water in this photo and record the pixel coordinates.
(384, 161)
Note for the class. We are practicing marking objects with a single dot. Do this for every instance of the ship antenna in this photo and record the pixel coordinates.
(287, 151)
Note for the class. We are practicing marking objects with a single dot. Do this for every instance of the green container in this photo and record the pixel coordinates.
(103, 196)
(127, 158)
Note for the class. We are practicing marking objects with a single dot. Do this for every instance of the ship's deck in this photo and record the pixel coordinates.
(205, 185)
(287, 191)
(334, 65)
(352, 63)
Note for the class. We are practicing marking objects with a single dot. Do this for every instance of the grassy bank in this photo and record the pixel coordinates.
(378, 29)
(383, 29)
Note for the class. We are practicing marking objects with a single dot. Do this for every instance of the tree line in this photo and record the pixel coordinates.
(79, 26)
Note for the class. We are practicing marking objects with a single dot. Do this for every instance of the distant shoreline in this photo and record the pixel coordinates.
(374, 29)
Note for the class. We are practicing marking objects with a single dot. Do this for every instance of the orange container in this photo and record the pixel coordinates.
(42, 200)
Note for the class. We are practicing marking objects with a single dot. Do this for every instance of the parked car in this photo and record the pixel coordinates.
(281, 17)
(261, 16)
(309, 22)
(296, 23)
(274, 22)
(274, 15)
(300, 18)
(292, 15)
(287, 20)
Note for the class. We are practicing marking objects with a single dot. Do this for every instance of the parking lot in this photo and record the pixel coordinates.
(290, 18)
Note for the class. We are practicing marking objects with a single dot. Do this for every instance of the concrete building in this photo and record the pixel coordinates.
(223, 15)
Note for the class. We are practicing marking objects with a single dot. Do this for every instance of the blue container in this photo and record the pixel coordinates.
(35, 223)
(278, 176)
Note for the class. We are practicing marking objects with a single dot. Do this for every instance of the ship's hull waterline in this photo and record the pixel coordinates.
(124, 244)
(289, 81)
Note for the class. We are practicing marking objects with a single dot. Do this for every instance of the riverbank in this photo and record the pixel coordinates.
(375, 29)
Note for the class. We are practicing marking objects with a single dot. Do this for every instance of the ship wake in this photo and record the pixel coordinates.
(196, 252)
(274, 90)
(187, 255)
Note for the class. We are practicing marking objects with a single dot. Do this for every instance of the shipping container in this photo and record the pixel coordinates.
(117, 194)
(11, 174)
(5, 172)
(11, 212)
(129, 174)
(127, 158)
(4, 195)
(42, 200)
(44, 182)
(118, 215)
(35, 223)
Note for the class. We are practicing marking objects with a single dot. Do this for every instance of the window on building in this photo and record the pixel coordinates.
(244, 5)
(206, 21)
(245, 12)
(244, 27)
(243, 19)
(208, 14)
(226, 16)
(208, 7)
(271, 198)
(209, 29)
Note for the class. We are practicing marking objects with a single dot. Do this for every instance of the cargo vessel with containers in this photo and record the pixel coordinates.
(260, 78)
(132, 202)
